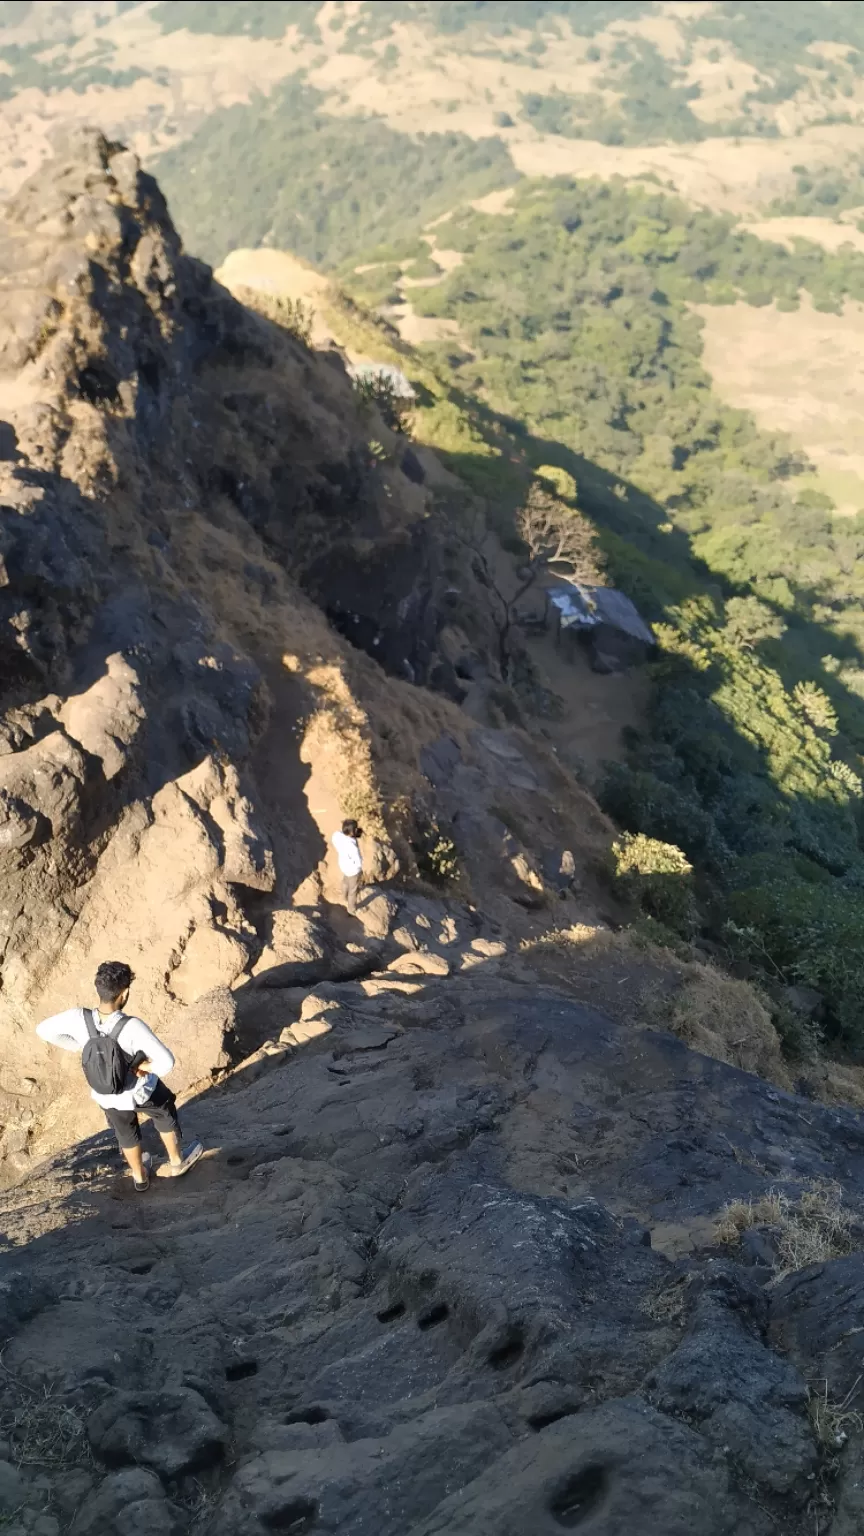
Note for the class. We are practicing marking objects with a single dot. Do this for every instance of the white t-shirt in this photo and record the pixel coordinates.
(348, 850)
(69, 1031)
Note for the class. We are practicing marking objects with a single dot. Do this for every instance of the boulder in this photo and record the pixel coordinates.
(376, 913)
(13, 1490)
(173, 1432)
(76, 1342)
(129, 1501)
(849, 1495)
(212, 960)
(419, 962)
(200, 1038)
(297, 1489)
(298, 953)
(749, 1401)
(22, 1297)
(620, 1468)
(106, 719)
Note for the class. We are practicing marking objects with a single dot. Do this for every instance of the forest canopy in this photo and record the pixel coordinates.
(280, 171)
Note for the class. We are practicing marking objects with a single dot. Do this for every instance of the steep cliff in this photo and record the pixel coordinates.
(181, 727)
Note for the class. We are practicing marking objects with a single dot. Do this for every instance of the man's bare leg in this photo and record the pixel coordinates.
(171, 1142)
(135, 1159)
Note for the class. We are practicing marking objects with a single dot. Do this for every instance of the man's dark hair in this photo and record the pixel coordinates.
(113, 978)
(351, 829)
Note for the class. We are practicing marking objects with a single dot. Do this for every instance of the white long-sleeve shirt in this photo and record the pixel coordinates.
(348, 851)
(69, 1031)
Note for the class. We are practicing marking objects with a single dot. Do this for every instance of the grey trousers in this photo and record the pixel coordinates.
(350, 887)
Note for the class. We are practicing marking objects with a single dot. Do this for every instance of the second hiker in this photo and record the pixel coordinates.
(347, 848)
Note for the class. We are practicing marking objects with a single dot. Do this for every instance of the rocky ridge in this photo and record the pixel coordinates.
(453, 1260)
(182, 729)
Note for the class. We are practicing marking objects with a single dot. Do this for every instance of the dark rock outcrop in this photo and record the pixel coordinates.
(422, 1284)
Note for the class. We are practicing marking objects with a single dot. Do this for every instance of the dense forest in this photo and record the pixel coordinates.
(282, 172)
(576, 328)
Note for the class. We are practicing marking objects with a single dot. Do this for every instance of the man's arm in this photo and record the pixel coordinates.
(137, 1037)
(68, 1030)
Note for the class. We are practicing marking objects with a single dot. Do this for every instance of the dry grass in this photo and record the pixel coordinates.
(833, 1421)
(642, 983)
(667, 1305)
(800, 373)
(810, 1230)
(722, 1017)
(41, 1430)
(293, 315)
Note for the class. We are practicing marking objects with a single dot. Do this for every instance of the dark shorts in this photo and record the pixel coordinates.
(161, 1108)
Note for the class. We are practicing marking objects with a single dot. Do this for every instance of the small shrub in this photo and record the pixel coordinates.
(809, 933)
(748, 621)
(42, 1429)
(833, 1420)
(817, 706)
(436, 854)
(379, 391)
(657, 876)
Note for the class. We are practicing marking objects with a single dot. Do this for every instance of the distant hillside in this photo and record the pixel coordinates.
(564, 87)
(280, 171)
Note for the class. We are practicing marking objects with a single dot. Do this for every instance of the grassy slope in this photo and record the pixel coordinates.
(574, 310)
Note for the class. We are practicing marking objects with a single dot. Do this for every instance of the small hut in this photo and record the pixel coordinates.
(603, 620)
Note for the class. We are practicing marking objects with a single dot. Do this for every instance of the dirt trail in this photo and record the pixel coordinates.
(597, 707)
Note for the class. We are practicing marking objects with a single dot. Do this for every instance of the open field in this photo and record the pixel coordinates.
(801, 373)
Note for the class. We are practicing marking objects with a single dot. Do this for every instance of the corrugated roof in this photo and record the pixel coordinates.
(585, 607)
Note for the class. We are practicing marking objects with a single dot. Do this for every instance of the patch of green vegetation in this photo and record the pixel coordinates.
(823, 192)
(29, 69)
(657, 876)
(377, 17)
(442, 418)
(777, 40)
(378, 285)
(249, 18)
(576, 311)
(423, 267)
(281, 170)
(654, 104)
(655, 99)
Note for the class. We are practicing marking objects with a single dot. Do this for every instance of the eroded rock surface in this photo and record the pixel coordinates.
(181, 726)
(418, 1285)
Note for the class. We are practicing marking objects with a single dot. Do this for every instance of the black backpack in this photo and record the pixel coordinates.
(106, 1066)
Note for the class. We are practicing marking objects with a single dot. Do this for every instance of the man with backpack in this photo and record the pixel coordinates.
(123, 1062)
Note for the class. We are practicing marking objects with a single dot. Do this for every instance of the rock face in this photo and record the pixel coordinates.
(421, 1283)
(181, 729)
